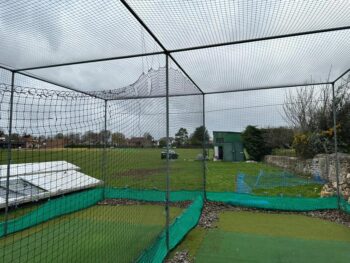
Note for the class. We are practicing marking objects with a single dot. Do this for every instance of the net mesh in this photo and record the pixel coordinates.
(39, 34)
(111, 152)
(186, 24)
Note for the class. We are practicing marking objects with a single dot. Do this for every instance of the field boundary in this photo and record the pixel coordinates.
(85, 199)
(183, 224)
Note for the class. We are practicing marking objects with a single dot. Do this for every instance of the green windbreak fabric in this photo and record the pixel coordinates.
(177, 231)
(75, 202)
(53, 208)
(275, 203)
(345, 206)
(246, 200)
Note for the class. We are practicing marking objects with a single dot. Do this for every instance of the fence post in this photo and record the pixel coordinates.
(167, 195)
(336, 144)
(9, 153)
(104, 151)
(204, 154)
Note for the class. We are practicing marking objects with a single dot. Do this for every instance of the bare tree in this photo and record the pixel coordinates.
(299, 108)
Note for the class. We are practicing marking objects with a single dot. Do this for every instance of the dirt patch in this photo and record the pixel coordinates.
(331, 215)
(116, 202)
(211, 209)
(180, 257)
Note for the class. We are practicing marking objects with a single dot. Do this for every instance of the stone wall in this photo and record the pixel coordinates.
(322, 165)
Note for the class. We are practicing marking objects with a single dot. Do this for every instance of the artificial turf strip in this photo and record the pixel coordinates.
(221, 246)
(282, 225)
(262, 237)
(97, 234)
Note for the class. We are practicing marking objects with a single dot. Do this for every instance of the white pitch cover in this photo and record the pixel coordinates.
(53, 178)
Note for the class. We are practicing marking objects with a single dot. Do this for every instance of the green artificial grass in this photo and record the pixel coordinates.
(221, 246)
(264, 237)
(97, 234)
(284, 225)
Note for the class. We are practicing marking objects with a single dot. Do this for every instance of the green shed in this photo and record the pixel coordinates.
(228, 146)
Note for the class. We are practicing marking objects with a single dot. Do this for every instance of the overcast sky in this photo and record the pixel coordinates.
(36, 33)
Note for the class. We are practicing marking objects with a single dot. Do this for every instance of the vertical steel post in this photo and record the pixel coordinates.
(336, 144)
(167, 195)
(9, 153)
(104, 152)
(204, 154)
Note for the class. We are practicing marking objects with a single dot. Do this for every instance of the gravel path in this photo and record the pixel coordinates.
(117, 202)
(211, 209)
(180, 257)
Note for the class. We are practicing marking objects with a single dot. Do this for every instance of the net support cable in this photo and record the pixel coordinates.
(342, 75)
(261, 39)
(143, 24)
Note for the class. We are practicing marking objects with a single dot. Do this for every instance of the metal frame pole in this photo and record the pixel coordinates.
(204, 154)
(167, 195)
(336, 144)
(9, 153)
(104, 153)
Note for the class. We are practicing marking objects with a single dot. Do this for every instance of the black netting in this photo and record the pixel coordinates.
(37, 34)
(181, 24)
(152, 114)
(289, 61)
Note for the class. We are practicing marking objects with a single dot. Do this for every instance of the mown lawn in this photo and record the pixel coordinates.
(96, 234)
(144, 169)
(263, 237)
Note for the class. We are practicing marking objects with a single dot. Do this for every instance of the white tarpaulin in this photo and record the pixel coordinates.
(35, 181)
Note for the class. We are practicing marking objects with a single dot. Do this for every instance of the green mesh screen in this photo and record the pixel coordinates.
(53, 208)
(178, 230)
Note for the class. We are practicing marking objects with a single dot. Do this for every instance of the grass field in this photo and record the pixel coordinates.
(121, 233)
(96, 234)
(262, 237)
(143, 169)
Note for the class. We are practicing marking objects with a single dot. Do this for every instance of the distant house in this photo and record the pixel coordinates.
(26, 141)
(228, 146)
(29, 142)
(139, 142)
(55, 143)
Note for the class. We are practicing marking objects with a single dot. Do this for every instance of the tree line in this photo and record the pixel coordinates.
(117, 139)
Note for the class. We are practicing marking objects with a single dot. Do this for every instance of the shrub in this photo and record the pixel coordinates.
(307, 145)
(254, 143)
